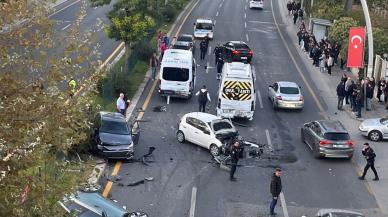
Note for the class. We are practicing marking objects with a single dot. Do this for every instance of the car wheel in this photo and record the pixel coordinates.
(274, 106)
(316, 153)
(180, 136)
(214, 150)
(350, 157)
(375, 135)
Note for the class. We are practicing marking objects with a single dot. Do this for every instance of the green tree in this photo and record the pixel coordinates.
(340, 32)
(380, 41)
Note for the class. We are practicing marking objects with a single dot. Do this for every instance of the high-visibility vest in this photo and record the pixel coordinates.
(72, 85)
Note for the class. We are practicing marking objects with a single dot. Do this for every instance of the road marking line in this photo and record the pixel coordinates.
(260, 99)
(284, 205)
(220, 5)
(64, 8)
(268, 139)
(245, 7)
(217, 14)
(193, 200)
(246, 35)
(209, 50)
(215, 22)
(109, 185)
(320, 107)
(207, 67)
(245, 24)
(245, 15)
(67, 26)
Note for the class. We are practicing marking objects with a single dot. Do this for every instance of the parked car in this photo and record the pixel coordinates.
(285, 95)
(112, 137)
(338, 213)
(205, 130)
(327, 138)
(186, 38)
(375, 129)
(236, 51)
(259, 4)
(92, 204)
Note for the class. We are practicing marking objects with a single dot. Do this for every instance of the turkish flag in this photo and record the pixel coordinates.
(356, 47)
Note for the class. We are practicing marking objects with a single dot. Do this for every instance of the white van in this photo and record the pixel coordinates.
(203, 27)
(237, 94)
(177, 74)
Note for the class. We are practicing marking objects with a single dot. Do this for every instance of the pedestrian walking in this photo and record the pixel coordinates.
(348, 90)
(341, 95)
(369, 96)
(370, 156)
(330, 62)
(154, 62)
(275, 188)
(380, 87)
(166, 40)
(203, 97)
(162, 48)
(72, 86)
(301, 15)
(295, 17)
(120, 104)
(289, 7)
(220, 64)
(235, 156)
(203, 48)
(217, 52)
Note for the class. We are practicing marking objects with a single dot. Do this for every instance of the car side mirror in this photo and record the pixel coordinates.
(193, 24)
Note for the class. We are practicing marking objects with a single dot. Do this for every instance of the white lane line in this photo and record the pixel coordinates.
(64, 8)
(246, 35)
(207, 67)
(67, 26)
(245, 15)
(193, 200)
(268, 139)
(215, 22)
(260, 99)
(209, 50)
(219, 6)
(245, 24)
(217, 14)
(245, 7)
(284, 205)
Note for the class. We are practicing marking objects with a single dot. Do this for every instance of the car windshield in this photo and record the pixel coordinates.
(222, 125)
(289, 90)
(337, 136)
(186, 38)
(384, 120)
(337, 214)
(114, 127)
(204, 26)
(175, 74)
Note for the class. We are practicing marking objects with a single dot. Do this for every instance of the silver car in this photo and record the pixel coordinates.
(285, 95)
(375, 129)
(338, 213)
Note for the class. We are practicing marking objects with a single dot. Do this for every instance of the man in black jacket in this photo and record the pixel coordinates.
(370, 156)
(235, 155)
(275, 188)
(341, 93)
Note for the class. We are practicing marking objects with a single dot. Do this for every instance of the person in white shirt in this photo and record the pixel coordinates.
(121, 104)
(203, 97)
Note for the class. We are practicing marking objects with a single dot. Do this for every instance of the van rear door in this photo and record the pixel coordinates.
(237, 95)
(175, 79)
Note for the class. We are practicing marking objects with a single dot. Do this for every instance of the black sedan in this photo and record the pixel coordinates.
(112, 138)
(236, 51)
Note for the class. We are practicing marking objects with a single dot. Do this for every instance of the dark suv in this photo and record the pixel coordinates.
(239, 51)
(327, 138)
(112, 137)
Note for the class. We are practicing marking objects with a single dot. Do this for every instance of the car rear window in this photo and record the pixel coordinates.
(175, 74)
(241, 47)
(289, 90)
(182, 47)
(205, 26)
(114, 127)
(185, 38)
(336, 136)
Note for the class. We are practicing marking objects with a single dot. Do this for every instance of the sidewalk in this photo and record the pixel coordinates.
(326, 85)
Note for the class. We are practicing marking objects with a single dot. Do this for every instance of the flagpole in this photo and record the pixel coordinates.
(370, 38)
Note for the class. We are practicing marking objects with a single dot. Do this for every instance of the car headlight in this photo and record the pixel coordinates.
(130, 147)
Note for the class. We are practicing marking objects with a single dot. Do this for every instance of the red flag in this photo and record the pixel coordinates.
(356, 47)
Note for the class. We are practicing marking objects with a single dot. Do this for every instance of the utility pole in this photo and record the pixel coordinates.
(370, 38)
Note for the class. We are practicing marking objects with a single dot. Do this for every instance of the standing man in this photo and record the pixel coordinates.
(359, 103)
(154, 62)
(370, 156)
(217, 52)
(220, 64)
(348, 89)
(275, 188)
(295, 16)
(369, 96)
(203, 97)
(120, 104)
(203, 48)
(341, 93)
(235, 155)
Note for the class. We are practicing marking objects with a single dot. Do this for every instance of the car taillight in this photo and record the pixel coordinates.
(279, 97)
(250, 53)
(219, 103)
(301, 98)
(324, 142)
(235, 52)
(349, 143)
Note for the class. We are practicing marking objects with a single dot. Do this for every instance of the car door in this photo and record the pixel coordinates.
(316, 135)
(189, 128)
(272, 91)
(307, 131)
(385, 129)
(204, 134)
(226, 51)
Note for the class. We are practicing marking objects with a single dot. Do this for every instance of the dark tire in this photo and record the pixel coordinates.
(375, 135)
(180, 136)
(274, 106)
(317, 155)
(214, 150)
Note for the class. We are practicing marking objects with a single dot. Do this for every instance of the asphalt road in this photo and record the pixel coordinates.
(308, 183)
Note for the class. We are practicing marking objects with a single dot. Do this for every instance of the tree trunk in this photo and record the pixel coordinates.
(348, 6)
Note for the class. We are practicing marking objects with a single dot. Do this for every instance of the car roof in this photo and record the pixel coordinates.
(333, 126)
(205, 117)
(112, 116)
(287, 84)
(97, 203)
(325, 211)
(236, 42)
(204, 20)
(238, 70)
(177, 55)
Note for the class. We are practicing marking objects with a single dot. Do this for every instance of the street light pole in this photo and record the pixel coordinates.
(370, 37)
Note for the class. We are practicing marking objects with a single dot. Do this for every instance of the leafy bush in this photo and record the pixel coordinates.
(169, 14)
(340, 32)
(144, 50)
